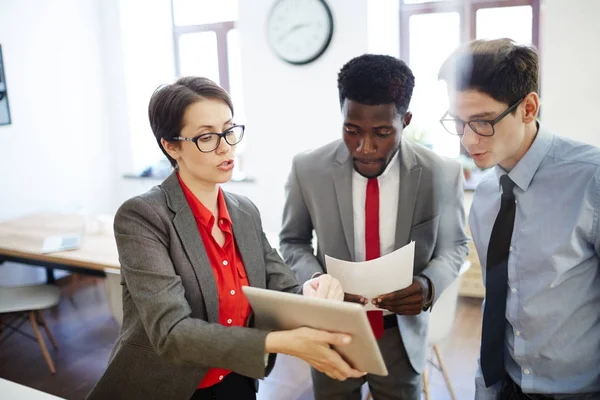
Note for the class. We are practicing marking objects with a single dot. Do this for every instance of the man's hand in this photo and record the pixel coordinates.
(324, 287)
(408, 301)
(355, 298)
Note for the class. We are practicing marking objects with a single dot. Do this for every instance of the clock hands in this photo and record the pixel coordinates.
(293, 29)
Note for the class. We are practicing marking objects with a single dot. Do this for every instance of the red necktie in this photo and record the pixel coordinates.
(372, 244)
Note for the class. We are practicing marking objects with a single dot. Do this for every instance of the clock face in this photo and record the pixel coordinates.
(299, 31)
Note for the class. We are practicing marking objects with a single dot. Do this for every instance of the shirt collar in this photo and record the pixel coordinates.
(392, 164)
(522, 174)
(201, 213)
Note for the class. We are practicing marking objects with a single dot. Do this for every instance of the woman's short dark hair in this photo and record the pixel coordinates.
(375, 79)
(500, 68)
(169, 102)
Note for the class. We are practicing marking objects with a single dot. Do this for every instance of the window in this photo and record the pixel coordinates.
(431, 30)
(207, 43)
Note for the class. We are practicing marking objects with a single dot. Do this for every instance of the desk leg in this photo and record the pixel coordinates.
(50, 276)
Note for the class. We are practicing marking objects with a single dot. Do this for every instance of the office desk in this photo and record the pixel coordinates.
(21, 241)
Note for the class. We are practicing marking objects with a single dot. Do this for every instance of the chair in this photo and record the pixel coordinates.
(440, 326)
(22, 303)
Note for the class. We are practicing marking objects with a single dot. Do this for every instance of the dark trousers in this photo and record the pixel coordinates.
(234, 386)
(512, 391)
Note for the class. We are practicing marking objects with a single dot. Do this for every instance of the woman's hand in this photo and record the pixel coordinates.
(324, 287)
(314, 347)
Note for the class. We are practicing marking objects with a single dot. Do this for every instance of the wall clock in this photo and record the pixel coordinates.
(299, 31)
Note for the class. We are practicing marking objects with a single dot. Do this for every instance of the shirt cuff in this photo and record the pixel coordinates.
(428, 291)
(316, 275)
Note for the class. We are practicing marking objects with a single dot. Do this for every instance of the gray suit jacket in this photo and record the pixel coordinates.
(430, 212)
(170, 335)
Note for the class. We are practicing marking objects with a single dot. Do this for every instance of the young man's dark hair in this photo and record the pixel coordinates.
(374, 79)
(500, 68)
(169, 102)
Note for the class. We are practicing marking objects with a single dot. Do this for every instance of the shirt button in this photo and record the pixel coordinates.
(518, 333)
(229, 321)
(225, 262)
(513, 290)
(220, 377)
(510, 249)
(232, 292)
(527, 372)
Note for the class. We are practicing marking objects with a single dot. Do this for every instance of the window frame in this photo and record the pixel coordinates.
(467, 10)
(220, 29)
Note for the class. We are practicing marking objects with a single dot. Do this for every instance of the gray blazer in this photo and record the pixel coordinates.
(430, 212)
(170, 335)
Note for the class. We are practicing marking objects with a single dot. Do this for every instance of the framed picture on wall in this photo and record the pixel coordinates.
(4, 109)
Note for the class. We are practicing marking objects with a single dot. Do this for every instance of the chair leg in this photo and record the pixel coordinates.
(444, 372)
(40, 339)
(74, 284)
(46, 328)
(425, 384)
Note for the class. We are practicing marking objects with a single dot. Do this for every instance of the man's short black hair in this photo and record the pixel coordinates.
(500, 68)
(375, 79)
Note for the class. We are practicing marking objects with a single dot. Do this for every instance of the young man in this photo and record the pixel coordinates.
(535, 225)
(366, 195)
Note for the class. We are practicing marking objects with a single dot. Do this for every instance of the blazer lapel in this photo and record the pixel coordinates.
(410, 178)
(185, 225)
(342, 182)
(248, 242)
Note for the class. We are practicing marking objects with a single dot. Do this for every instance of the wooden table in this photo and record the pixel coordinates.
(21, 241)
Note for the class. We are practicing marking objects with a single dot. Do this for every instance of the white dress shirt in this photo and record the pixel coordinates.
(389, 184)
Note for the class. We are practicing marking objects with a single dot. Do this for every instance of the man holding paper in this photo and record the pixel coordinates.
(367, 195)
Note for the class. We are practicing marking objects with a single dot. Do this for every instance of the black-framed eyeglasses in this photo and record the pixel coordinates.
(482, 127)
(208, 142)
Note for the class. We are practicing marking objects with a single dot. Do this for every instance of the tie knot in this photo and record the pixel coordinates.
(507, 185)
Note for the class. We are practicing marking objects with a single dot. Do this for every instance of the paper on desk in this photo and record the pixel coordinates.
(372, 278)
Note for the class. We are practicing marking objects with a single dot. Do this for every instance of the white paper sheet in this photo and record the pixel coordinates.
(391, 272)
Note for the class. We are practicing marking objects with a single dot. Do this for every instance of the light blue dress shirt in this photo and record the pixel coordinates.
(553, 301)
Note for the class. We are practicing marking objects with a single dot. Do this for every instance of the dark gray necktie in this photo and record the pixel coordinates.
(496, 284)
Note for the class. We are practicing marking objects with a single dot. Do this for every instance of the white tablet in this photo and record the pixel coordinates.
(283, 311)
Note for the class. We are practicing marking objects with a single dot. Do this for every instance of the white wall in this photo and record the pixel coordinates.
(57, 152)
(290, 108)
(80, 73)
(570, 64)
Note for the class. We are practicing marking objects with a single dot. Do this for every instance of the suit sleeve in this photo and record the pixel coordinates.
(159, 297)
(451, 246)
(296, 236)
(596, 230)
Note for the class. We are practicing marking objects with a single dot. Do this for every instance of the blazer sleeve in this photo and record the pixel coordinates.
(451, 245)
(296, 236)
(158, 294)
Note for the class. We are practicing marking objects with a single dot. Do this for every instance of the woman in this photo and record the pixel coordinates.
(186, 248)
